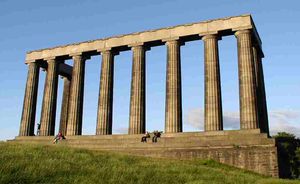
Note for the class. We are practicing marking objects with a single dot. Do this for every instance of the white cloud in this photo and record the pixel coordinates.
(279, 120)
(120, 130)
(285, 121)
(195, 118)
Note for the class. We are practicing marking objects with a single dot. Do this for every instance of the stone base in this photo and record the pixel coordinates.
(246, 149)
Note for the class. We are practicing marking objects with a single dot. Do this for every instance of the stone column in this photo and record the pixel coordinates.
(173, 88)
(261, 94)
(30, 98)
(64, 106)
(247, 83)
(137, 97)
(49, 99)
(105, 101)
(213, 103)
(75, 110)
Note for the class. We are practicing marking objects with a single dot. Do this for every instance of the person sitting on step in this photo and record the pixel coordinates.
(144, 138)
(58, 137)
(156, 135)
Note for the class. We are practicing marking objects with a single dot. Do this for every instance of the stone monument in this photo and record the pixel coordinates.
(248, 148)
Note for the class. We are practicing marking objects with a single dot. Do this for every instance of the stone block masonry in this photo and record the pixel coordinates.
(256, 152)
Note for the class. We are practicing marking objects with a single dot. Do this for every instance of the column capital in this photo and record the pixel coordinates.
(211, 36)
(30, 61)
(50, 59)
(108, 50)
(173, 40)
(104, 49)
(139, 46)
(79, 56)
(34, 62)
(244, 31)
(208, 33)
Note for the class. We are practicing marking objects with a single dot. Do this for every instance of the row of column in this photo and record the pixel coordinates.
(253, 109)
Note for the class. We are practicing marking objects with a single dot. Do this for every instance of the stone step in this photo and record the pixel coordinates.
(226, 133)
(133, 141)
(245, 149)
(201, 135)
(178, 141)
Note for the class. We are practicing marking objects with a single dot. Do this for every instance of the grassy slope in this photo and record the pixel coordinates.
(56, 164)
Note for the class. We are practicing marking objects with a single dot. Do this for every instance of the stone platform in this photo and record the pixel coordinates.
(246, 149)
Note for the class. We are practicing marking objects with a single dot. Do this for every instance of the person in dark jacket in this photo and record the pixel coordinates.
(144, 138)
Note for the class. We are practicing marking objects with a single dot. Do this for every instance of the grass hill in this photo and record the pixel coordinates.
(25, 163)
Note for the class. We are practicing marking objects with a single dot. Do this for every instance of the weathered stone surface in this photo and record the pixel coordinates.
(64, 106)
(260, 92)
(247, 149)
(247, 83)
(65, 70)
(173, 119)
(75, 110)
(137, 118)
(49, 99)
(213, 104)
(105, 103)
(183, 31)
(29, 104)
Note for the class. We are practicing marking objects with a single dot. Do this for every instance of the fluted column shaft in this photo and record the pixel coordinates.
(75, 110)
(105, 101)
(261, 94)
(173, 88)
(64, 106)
(49, 99)
(30, 99)
(213, 103)
(137, 97)
(247, 83)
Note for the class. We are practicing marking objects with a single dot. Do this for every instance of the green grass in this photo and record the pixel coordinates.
(25, 163)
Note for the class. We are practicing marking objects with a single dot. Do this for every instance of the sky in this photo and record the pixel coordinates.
(32, 24)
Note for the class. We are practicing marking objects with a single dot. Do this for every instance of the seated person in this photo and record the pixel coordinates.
(144, 138)
(58, 137)
(156, 135)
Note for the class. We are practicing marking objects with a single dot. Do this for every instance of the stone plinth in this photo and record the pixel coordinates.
(247, 149)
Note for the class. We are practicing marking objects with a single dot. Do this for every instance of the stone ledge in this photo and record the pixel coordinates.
(186, 30)
(247, 149)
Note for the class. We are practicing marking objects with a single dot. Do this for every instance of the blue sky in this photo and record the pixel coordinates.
(33, 24)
